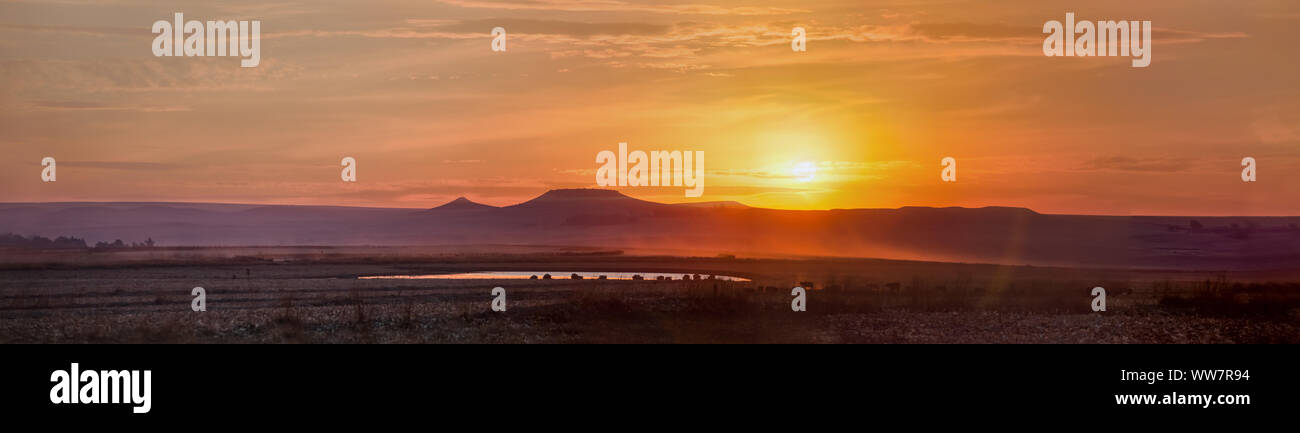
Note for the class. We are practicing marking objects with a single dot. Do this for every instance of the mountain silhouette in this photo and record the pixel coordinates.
(585, 199)
(462, 204)
(612, 220)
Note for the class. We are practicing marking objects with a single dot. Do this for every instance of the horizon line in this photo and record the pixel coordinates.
(430, 207)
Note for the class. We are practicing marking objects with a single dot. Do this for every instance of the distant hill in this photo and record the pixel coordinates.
(585, 199)
(608, 219)
(462, 204)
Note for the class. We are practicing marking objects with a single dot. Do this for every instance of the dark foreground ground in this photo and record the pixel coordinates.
(312, 295)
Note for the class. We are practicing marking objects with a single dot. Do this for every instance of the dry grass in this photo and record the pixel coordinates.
(850, 301)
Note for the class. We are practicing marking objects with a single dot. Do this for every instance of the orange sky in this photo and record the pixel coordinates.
(886, 89)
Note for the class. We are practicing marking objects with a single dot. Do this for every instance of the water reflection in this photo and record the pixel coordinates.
(555, 275)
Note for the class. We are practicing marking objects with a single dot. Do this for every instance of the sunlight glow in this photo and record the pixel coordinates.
(805, 171)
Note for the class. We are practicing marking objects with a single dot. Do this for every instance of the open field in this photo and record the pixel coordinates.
(312, 295)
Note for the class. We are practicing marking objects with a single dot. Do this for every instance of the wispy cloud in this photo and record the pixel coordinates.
(1137, 163)
(120, 165)
(621, 6)
(96, 106)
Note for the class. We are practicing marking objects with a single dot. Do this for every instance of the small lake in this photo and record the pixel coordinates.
(555, 275)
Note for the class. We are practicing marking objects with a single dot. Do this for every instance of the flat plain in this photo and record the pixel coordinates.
(314, 295)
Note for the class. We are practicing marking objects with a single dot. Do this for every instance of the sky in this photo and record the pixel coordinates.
(886, 89)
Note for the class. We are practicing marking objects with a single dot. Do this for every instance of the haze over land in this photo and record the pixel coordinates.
(609, 220)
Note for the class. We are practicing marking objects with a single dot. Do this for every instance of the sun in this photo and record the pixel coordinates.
(805, 171)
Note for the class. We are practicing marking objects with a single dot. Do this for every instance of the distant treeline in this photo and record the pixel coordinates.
(10, 240)
(1235, 230)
